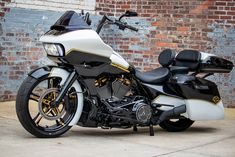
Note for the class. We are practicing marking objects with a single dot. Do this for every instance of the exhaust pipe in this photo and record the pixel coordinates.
(170, 113)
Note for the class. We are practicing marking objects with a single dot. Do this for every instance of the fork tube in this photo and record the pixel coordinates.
(68, 83)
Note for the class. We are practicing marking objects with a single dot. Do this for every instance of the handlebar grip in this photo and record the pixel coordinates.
(132, 28)
(123, 26)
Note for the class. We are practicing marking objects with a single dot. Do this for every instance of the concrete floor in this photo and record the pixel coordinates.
(203, 139)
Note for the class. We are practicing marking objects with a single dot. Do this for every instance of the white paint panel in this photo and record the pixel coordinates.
(196, 109)
(58, 72)
(117, 59)
(205, 55)
(203, 110)
(83, 40)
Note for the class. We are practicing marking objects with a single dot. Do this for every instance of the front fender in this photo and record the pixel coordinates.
(41, 72)
(55, 71)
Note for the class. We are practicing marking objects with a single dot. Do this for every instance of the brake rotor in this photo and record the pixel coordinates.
(45, 109)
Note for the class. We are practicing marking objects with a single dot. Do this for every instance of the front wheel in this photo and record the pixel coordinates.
(176, 125)
(34, 109)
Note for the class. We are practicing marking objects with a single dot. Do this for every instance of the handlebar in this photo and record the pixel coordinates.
(119, 23)
(123, 26)
(132, 28)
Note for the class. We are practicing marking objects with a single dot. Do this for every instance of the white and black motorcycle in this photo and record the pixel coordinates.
(93, 86)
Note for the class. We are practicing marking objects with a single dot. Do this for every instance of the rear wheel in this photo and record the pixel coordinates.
(173, 125)
(34, 109)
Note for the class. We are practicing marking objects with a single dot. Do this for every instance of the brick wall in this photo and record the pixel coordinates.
(22, 22)
(204, 25)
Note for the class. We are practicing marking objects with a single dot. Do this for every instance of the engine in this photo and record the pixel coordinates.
(133, 109)
(119, 99)
(113, 88)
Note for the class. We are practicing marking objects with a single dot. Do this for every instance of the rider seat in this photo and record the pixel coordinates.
(158, 75)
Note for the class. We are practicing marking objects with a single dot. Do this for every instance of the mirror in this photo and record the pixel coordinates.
(130, 13)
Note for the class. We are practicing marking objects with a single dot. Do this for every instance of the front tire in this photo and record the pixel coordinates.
(176, 126)
(35, 113)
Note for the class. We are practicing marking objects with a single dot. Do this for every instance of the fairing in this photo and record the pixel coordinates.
(77, 38)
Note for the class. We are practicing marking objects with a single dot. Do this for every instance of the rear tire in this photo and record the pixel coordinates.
(24, 98)
(176, 126)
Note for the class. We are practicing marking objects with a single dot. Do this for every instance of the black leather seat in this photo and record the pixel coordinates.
(159, 75)
(153, 77)
(189, 59)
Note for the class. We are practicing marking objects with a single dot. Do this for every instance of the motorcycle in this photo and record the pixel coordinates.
(91, 85)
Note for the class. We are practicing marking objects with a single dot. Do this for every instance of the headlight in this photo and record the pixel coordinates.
(54, 49)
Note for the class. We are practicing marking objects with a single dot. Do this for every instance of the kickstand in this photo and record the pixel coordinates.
(151, 131)
(135, 128)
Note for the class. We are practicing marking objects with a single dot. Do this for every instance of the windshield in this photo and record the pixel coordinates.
(70, 20)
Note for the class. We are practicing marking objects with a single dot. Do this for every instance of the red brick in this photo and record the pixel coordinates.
(220, 12)
(183, 29)
(161, 36)
(166, 45)
(231, 13)
(220, 3)
(231, 4)
(35, 49)
(2, 14)
(171, 28)
(212, 7)
(213, 17)
(157, 23)
(178, 15)
(226, 17)
(6, 9)
(125, 6)
(231, 21)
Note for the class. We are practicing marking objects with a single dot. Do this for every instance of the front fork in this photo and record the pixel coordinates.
(65, 87)
(68, 80)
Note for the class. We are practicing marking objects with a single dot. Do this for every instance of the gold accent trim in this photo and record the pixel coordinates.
(66, 53)
(216, 99)
(155, 99)
(120, 67)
